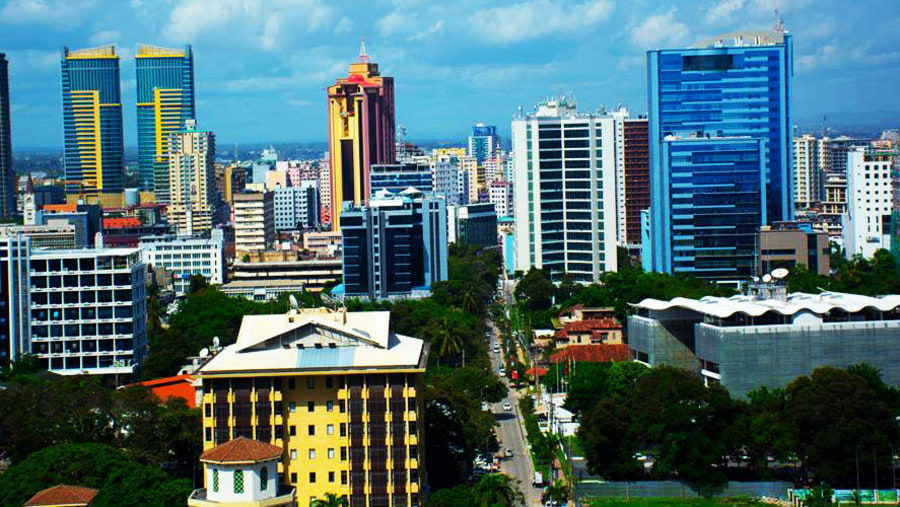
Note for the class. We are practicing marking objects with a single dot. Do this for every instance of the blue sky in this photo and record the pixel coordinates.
(262, 65)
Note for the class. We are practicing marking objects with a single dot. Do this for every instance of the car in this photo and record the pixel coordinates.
(509, 453)
(496, 347)
(507, 407)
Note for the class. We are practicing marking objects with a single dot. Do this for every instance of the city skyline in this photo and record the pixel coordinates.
(267, 79)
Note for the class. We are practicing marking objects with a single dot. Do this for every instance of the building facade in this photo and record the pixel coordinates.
(88, 310)
(636, 173)
(340, 392)
(296, 207)
(786, 244)
(735, 89)
(398, 177)
(360, 132)
(565, 191)
(92, 121)
(165, 101)
(7, 175)
(191, 186)
(483, 142)
(15, 302)
(473, 224)
(500, 194)
(746, 342)
(807, 172)
(867, 222)
(183, 256)
(394, 246)
(254, 221)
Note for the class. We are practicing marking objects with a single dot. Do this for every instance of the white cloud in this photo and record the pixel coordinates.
(838, 53)
(345, 25)
(721, 12)
(105, 37)
(539, 18)
(659, 29)
(397, 22)
(249, 21)
(435, 27)
(44, 11)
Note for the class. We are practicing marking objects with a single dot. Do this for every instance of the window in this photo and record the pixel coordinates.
(293, 478)
(292, 406)
(238, 481)
(293, 431)
(310, 406)
(208, 434)
(343, 454)
(329, 406)
(292, 384)
(329, 382)
(264, 478)
(330, 476)
(310, 383)
(311, 430)
(293, 454)
(343, 429)
(312, 454)
(331, 453)
(343, 477)
(312, 477)
(208, 409)
(329, 429)
(215, 480)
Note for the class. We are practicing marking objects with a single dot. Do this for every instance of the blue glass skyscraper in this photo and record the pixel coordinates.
(7, 178)
(165, 100)
(92, 121)
(483, 141)
(712, 108)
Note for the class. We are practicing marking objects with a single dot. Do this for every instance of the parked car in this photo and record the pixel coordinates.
(509, 453)
(507, 406)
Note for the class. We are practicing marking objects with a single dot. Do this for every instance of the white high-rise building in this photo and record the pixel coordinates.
(443, 177)
(296, 207)
(807, 173)
(565, 191)
(866, 225)
(254, 221)
(500, 194)
(620, 116)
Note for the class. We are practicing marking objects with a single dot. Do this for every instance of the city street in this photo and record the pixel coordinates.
(511, 436)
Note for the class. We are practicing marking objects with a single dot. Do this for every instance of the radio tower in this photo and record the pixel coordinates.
(779, 23)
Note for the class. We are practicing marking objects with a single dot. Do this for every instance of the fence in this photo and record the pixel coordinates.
(593, 488)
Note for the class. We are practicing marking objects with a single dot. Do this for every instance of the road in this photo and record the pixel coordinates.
(512, 437)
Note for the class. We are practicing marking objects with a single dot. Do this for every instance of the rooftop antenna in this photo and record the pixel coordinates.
(363, 56)
(779, 23)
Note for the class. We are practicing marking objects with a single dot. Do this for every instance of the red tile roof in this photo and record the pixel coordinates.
(242, 450)
(116, 223)
(592, 353)
(179, 386)
(63, 495)
(540, 369)
(592, 324)
(61, 208)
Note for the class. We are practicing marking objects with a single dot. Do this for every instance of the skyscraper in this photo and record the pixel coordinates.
(92, 121)
(165, 101)
(711, 106)
(190, 162)
(807, 175)
(7, 178)
(483, 142)
(360, 131)
(565, 191)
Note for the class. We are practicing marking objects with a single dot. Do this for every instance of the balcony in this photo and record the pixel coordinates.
(284, 496)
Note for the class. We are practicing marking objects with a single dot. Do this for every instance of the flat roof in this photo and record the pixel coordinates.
(794, 303)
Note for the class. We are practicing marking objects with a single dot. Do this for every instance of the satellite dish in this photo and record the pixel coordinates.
(215, 342)
(780, 273)
(294, 303)
(767, 278)
(755, 278)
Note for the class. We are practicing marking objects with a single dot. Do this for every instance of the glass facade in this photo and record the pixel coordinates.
(92, 121)
(396, 178)
(7, 178)
(165, 100)
(739, 88)
(483, 141)
(714, 205)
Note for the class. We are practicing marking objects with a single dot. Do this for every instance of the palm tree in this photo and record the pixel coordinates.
(445, 338)
(331, 500)
(497, 490)
(557, 493)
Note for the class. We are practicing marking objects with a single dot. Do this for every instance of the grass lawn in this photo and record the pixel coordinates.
(673, 502)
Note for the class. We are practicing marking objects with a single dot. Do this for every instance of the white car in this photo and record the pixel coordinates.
(507, 407)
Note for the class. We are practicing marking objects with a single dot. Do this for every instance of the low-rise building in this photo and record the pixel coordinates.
(745, 342)
(63, 495)
(311, 275)
(254, 221)
(325, 244)
(55, 234)
(786, 244)
(474, 224)
(340, 392)
(183, 256)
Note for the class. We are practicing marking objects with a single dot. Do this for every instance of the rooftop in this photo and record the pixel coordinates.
(743, 38)
(317, 340)
(241, 450)
(591, 353)
(63, 495)
(797, 302)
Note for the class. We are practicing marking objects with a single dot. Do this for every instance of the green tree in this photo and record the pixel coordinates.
(197, 282)
(558, 493)
(497, 490)
(819, 496)
(535, 290)
(331, 500)
(460, 494)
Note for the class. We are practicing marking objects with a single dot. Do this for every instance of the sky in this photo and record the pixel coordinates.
(262, 66)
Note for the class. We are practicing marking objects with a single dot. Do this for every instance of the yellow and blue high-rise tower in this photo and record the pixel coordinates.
(165, 101)
(92, 121)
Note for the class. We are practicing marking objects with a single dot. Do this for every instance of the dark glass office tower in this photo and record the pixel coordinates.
(7, 177)
(165, 100)
(92, 121)
(734, 87)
